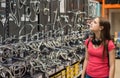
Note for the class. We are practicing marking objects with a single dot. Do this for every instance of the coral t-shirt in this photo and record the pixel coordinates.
(97, 67)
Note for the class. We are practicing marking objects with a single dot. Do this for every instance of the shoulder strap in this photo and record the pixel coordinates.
(88, 42)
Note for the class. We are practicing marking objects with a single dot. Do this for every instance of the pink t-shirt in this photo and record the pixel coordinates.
(96, 66)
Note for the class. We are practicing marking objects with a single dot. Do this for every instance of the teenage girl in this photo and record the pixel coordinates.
(100, 51)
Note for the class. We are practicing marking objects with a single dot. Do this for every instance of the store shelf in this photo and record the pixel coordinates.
(110, 6)
(71, 71)
(78, 74)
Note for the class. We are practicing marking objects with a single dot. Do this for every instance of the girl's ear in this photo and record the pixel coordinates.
(101, 27)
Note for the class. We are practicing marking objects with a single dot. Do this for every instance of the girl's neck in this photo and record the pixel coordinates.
(97, 35)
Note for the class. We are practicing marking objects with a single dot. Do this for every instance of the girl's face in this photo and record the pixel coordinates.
(94, 26)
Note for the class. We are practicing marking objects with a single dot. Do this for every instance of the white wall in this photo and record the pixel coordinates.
(114, 15)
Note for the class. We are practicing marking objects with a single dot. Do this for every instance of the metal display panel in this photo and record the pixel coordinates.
(93, 8)
(23, 15)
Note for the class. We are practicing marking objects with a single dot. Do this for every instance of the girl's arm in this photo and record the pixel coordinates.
(112, 63)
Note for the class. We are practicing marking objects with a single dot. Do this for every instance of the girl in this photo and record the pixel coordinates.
(100, 51)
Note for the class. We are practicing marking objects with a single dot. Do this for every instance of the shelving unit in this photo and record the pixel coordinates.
(106, 7)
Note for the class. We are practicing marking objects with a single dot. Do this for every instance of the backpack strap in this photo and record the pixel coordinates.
(88, 42)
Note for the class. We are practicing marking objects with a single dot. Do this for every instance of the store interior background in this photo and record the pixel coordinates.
(114, 16)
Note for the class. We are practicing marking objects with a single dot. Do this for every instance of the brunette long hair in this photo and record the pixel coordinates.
(105, 34)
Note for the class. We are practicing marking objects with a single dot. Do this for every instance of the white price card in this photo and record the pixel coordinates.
(3, 5)
(62, 6)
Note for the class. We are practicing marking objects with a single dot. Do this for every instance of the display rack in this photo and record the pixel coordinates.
(41, 42)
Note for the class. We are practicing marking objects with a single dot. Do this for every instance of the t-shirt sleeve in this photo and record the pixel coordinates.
(111, 45)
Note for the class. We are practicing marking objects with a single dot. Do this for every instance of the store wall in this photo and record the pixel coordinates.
(115, 20)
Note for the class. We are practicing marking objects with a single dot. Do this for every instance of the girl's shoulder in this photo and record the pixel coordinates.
(87, 41)
(111, 45)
